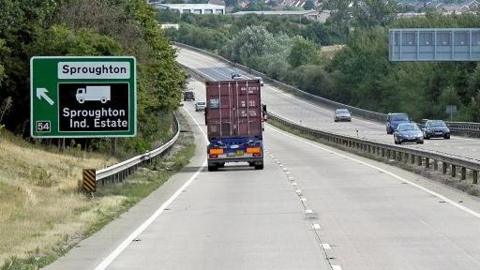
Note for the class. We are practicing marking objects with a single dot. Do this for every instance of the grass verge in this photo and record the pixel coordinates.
(42, 215)
(437, 176)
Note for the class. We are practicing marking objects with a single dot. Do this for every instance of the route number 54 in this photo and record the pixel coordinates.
(43, 126)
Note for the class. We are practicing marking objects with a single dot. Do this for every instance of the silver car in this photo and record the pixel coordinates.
(200, 106)
(342, 115)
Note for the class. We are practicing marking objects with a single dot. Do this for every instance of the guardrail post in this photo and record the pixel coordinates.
(475, 177)
(444, 167)
(413, 159)
(463, 172)
(394, 155)
(435, 164)
(454, 170)
(419, 160)
(427, 162)
(400, 156)
(383, 152)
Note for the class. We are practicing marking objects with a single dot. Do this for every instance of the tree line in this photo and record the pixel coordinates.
(359, 74)
(95, 28)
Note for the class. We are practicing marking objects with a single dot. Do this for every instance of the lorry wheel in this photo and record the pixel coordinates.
(103, 100)
(81, 100)
(212, 168)
(221, 165)
(259, 167)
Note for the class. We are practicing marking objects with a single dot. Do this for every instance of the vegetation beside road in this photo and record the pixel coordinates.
(357, 73)
(89, 27)
(40, 205)
(42, 214)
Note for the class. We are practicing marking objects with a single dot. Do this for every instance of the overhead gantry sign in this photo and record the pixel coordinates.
(83, 97)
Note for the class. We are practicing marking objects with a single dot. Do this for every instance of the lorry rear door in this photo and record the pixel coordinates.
(234, 109)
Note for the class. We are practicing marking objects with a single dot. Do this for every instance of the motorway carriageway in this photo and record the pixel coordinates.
(314, 116)
(312, 207)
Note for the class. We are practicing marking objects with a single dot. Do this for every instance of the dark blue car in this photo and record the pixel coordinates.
(407, 132)
(436, 128)
(394, 119)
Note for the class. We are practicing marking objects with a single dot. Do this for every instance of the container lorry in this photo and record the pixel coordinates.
(234, 119)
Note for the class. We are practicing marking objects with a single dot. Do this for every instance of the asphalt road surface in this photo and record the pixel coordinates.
(315, 116)
(312, 207)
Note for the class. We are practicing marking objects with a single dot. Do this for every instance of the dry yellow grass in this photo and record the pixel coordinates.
(40, 205)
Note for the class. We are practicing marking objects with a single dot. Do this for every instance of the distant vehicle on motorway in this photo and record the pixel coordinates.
(200, 106)
(394, 119)
(188, 95)
(436, 128)
(342, 115)
(260, 79)
(407, 132)
(236, 76)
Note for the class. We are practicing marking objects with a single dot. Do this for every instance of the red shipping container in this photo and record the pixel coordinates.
(234, 109)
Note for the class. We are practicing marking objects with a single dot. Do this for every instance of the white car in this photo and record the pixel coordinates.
(200, 106)
(342, 115)
(260, 79)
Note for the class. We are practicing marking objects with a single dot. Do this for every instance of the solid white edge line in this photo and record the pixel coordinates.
(336, 267)
(451, 202)
(119, 249)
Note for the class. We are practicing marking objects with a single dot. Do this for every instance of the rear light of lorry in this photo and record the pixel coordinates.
(215, 151)
(254, 150)
(212, 156)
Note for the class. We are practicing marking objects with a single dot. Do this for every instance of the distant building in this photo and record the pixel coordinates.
(309, 14)
(170, 25)
(217, 2)
(192, 8)
(458, 8)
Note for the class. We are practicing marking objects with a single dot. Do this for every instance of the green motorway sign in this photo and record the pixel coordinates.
(83, 97)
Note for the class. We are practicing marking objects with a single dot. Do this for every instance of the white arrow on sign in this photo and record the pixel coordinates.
(42, 93)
